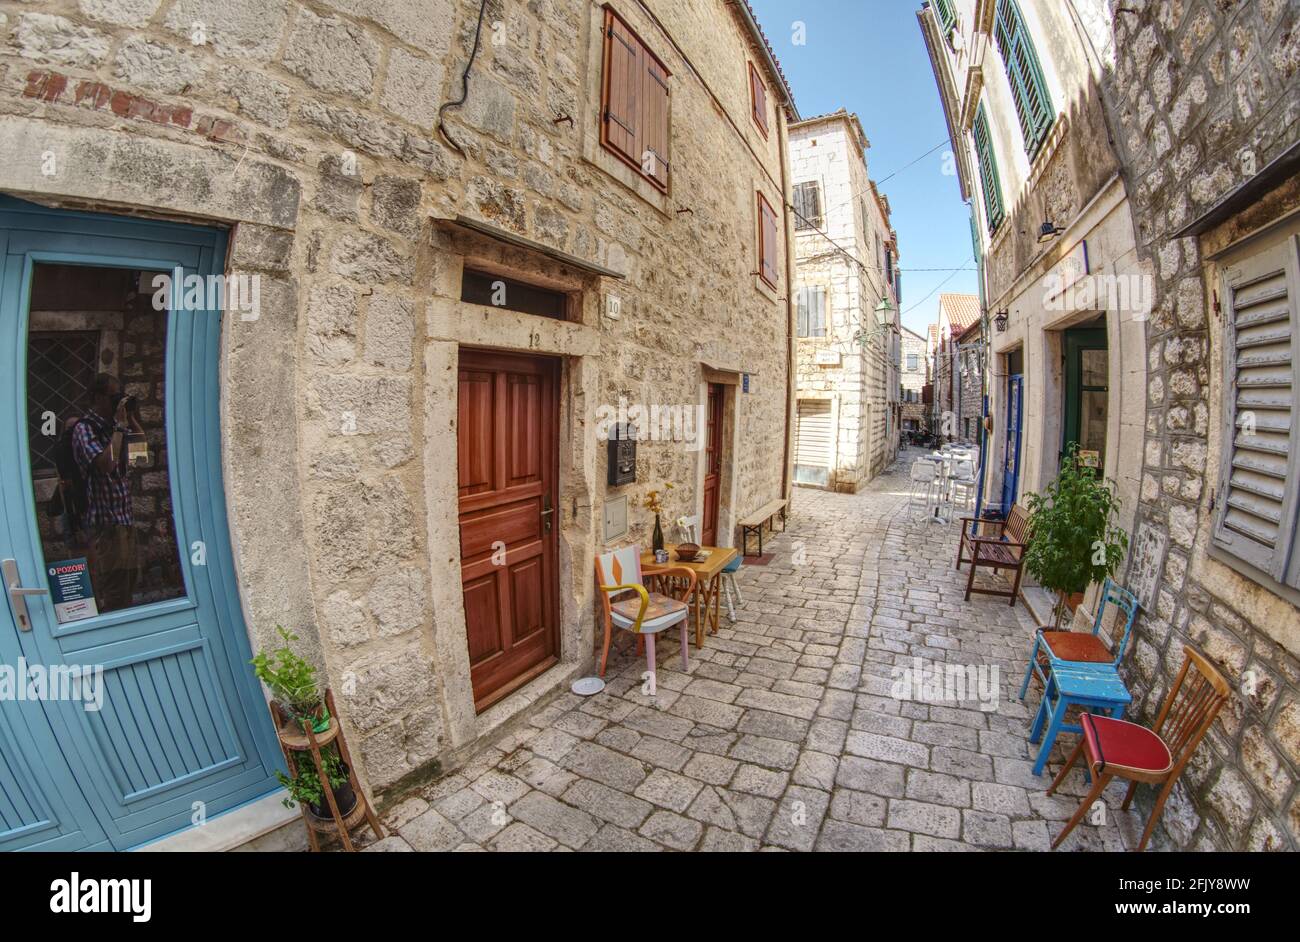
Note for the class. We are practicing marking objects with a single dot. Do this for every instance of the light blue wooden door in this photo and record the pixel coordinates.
(1011, 464)
(181, 733)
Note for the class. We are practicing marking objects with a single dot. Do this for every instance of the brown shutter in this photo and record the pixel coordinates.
(620, 120)
(654, 158)
(766, 241)
(758, 98)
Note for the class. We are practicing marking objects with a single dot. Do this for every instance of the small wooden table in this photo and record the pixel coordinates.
(708, 584)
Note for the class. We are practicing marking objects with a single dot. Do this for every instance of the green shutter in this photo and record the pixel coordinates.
(1028, 87)
(988, 171)
(947, 16)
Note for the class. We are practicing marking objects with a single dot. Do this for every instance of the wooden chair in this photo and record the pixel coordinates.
(631, 606)
(1118, 747)
(1050, 646)
(1006, 551)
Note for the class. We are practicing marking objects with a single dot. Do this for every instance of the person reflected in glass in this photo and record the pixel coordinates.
(99, 446)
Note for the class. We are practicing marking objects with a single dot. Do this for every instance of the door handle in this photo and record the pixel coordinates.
(546, 512)
(18, 593)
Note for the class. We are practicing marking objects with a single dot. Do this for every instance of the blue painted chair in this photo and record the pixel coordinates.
(1079, 646)
(1091, 687)
(1077, 669)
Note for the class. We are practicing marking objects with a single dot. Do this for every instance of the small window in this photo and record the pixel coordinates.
(807, 206)
(634, 103)
(810, 304)
(913, 362)
(480, 287)
(758, 99)
(767, 242)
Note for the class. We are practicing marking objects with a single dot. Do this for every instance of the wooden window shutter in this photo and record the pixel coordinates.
(807, 205)
(989, 181)
(801, 306)
(654, 156)
(767, 259)
(1028, 86)
(620, 119)
(758, 98)
(947, 16)
(1257, 501)
(817, 314)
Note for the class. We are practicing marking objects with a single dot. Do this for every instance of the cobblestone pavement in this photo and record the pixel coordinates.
(785, 733)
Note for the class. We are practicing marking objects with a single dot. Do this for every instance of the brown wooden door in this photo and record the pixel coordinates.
(507, 463)
(712, 464)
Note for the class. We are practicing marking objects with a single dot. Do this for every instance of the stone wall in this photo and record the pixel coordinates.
(311, 131)
(1202, 96)
(914, 381)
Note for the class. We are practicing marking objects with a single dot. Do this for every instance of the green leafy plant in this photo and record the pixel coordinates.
(1072, 538)
(305, 787)
(292, 679)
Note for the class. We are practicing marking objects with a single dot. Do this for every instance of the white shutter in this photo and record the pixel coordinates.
(1257, 502)
(813, 440)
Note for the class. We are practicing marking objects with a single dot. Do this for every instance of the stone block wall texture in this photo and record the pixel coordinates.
(1199, 90)
(313, 127)
(913, 381)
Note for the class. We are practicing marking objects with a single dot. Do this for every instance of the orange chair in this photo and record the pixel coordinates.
(1118, 747)
(631, 606)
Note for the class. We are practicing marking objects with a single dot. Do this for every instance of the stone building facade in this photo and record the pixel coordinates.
(1204, 104)
(1122, 235)
(969, 353)
(957, 314)
(846, 350)
(314, 139)
(914, 376)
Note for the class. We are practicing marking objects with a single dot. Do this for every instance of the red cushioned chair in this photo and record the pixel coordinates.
(1118, 747)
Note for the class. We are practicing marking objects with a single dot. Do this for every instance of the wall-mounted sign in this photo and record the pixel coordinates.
(1089, 458)
(828, 358)
(744, 382)
(613, 307)
(70, 590)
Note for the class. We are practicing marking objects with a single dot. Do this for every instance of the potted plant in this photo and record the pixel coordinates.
(1072, 538)
(654, 503)
(293, 683)
(305, 788)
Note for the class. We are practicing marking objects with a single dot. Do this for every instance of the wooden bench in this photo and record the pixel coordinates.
(1005, 551)
(753, 524)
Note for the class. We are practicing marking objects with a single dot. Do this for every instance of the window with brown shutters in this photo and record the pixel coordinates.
(767, 242)
(634, 116)
(758, 99)
(1257, 511)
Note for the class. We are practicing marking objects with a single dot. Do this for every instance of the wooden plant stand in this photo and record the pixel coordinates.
(296, 739)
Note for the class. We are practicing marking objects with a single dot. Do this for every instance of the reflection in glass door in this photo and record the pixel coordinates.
(1087, 387)
(97, 437)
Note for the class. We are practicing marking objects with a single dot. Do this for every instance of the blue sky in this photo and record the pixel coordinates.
(868, 56)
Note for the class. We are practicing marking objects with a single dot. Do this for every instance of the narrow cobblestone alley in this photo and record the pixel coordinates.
(784, 735)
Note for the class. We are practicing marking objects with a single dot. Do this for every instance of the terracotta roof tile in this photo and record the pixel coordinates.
(962, 310)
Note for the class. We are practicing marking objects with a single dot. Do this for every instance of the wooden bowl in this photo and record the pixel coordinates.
(686, 552)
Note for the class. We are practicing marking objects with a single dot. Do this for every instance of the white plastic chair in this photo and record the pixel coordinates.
(925, 484)
(963, 482)
(687, 527)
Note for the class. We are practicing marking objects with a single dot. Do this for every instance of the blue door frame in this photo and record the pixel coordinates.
(184, 732)
(1011, 457)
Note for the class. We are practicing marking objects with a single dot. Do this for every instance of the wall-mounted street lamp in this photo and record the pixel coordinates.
(1000, 321)
(1047, 232)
